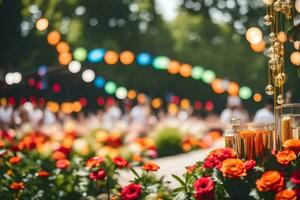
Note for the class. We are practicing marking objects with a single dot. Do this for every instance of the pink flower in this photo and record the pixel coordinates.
(204, 189)
(250, 164)
(97, 175)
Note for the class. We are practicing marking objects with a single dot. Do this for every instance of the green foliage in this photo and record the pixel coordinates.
(168, 142)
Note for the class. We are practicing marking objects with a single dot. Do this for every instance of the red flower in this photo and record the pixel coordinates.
(295, 178)
(223, 154)
(97, 175)
(150, 166)
(120, 162)
(62, 163)
(94, 162)
(204, 189)
(43, 174)
(131, 192)
(15, 160)
(211, 162)
(1, 144)
(250, 164)
(17, 186)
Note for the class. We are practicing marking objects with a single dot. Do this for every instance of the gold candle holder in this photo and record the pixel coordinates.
(286, 128)
(230, 139)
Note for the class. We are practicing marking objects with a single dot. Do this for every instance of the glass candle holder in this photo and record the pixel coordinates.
(254, 141)
(287, 122)
(230, 139)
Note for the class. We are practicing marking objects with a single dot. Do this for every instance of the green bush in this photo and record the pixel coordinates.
(168, 142)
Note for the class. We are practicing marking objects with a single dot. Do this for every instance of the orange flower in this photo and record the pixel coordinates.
(137, 158)
(190, 169)
(186, 147)
(270, 181)
(62, 164)
(15, 160)
(223, 153)
(293, 145)
(285, 157)
(150, 166)
(286, 195)
(94, 162)
(57, 155)
(17, 186)
(233, 168)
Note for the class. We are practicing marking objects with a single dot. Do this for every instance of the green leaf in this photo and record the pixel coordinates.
(181, 196)
(179, 180)
(135, 173)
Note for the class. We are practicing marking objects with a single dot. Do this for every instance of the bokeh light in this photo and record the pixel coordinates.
(217, 86)
(161, 62)
(99, 82)
(131, 94)
(110, 87)
(259, 47)
(56, 87)
(52, 106)
(173, 67)
(64, 58)
(268, 2)
(142, 98)
(143, 59)
(254, 35)
(185, 70)
(233, 88)
(80, 54)
(121, 93)
(208, 76)
(126, 57)
(282, 37)
(96, 55)
(257, 97)
(197, 72)
(74, 66)
(88, 75)
(42, 70)
(156, 103)
(42, 24)
(245, 92)
(185, 104)
(111, 57)
(297, 5)
(76, 106)
(53, 38)
(62, 47)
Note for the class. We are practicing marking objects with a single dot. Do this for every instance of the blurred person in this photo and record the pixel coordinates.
(49, 117)
(265, 114)
(241, 113)
(6, 115)
(139, 115)
(112, 114)
(35, 115)
(228, 113)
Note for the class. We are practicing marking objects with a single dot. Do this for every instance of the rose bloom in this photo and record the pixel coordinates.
(204, 189)
(295, 178)
(94, 162)
(223, 154)
(270, 181)
(293, 145)
(150, 166)
(43, 173)
(63, 163)
(285, 157)
(131, 192)
(17, 186)
(211, 162)
(233, 168)
(97, 175)
(250, 164)
(286, 195)
(120, 162)
(15, 160)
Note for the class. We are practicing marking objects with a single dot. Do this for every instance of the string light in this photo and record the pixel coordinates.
(110, 87)
(144, 59)
(233, 88)
(127, 57)
(257, 97)
(80, 54)
(131, 94)
(197, 72)
(161, 62)
(121, 93)
(208, 76)
(173, 67)
(111, 57)
(254, 35)
(74, 66)
(295, 58)
(259, 47)
(185, 70)
(245, 92)
(64, 58)
(99, 82)
(88, 75)
(53, 38)
(42, 24)
(96, 55)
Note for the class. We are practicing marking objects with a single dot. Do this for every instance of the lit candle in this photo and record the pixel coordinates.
(286, 128)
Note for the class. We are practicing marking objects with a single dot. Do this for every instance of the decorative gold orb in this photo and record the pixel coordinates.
(272, 37)
(284, 77)
(278, 81)
(269, 89)
(297, 44)
(280, 99)
(268, 20)
(274, 73)
(273, 62)
(295, 58)
(277, 6)
(270, 52)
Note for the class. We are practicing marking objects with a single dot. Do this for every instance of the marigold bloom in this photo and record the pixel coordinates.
(285, 157)
(286, 195)
(233, 168)
(17, 186)
(94, 162)
(293, 145)
(150, 166)
(270, 181)
(43, 173)
(57, 155)
(62, 164)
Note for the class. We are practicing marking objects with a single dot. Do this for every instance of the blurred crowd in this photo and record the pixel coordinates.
(139, 118)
